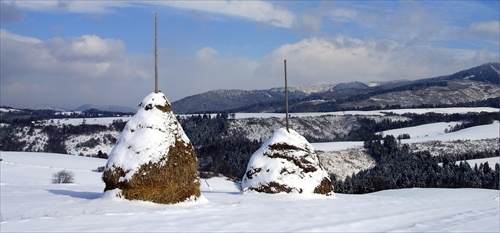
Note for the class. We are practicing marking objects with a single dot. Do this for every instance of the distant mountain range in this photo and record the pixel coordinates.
(85, 107)
(476, 86)
(107, 108)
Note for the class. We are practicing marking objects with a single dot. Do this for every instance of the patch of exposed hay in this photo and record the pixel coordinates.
(283, 146)
(302, 163)
(325, 187)
(274, 187)
(164, 108)
(252, 172)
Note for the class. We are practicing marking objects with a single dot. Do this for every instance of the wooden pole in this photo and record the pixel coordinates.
(286, 100)
(156, 52)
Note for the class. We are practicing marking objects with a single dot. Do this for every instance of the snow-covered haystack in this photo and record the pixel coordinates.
(286, 162)
(153, 159)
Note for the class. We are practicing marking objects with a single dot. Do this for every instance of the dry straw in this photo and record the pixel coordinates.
(172, 179)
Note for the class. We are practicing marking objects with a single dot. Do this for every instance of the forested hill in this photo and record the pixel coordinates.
(477, 86)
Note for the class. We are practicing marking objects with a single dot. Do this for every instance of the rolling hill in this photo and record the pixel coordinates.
(478, 86)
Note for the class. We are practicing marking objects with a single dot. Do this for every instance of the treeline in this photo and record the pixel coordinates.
(476, 120)
(28, 116)
(215, 149)
(490, 102)
(335, 106)
(398, 168)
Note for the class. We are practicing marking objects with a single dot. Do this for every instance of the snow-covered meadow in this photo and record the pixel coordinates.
(30, 202)
(424, 133)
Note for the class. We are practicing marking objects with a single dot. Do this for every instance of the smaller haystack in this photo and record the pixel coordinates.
(153, 160)
(287, 163)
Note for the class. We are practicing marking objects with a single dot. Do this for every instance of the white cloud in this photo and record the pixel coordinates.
(206, 53)
(91, 46)
(94, 7)
(4, 34)
(66, 72)
(258, 11)
(489, 29)
(344, 59)
(253, 10)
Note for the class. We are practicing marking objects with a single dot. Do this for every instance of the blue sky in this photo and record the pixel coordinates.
(70, 53)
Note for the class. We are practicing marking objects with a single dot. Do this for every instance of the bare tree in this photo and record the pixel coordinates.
(63, 176)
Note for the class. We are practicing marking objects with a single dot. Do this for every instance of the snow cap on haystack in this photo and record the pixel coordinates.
(153, 159)
(286, 162)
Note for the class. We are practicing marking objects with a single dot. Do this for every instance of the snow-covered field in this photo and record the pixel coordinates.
(30, 202)
(435, 132)
(424, 133)
(491, 161)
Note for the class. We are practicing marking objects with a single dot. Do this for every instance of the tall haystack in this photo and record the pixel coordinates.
(153, 159)
(287, 163)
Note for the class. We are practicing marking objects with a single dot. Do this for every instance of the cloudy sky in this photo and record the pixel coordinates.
(70, 53)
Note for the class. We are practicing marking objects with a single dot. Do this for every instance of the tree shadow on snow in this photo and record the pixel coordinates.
(76, 194)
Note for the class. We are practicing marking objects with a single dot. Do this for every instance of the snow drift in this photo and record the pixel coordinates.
(153, 159)
(286, 163)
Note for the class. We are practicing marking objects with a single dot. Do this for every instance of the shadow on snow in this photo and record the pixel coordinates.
(76, 194)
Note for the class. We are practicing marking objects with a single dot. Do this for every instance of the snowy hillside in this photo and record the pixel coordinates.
(255, 126)
(30, 202)
(436, 132)
(345, 158)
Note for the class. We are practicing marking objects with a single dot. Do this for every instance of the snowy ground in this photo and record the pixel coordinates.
(491, 162)
(30, 202)
(424, 133)
(435, 132)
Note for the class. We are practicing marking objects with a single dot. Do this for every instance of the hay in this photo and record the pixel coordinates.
(171, 178)
(274, 187)
(174, 182)
(325, 187)
(286, 163)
